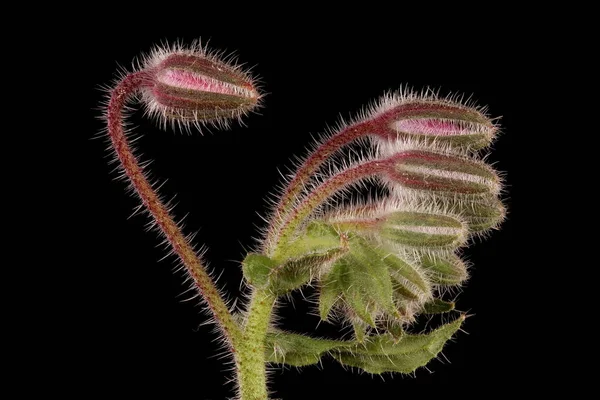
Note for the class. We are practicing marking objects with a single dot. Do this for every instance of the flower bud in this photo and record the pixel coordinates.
(405, 225)
(445, 269)
(483, 214)
(445, 123)
(194, 86)
(370, 281)
(438, 306)
(428, 119)
(423, 230)
(442, 174)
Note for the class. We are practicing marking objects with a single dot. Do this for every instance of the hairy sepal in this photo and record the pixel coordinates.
(297, 264)
(370, 281)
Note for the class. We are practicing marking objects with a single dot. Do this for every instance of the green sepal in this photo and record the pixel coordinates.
(295, 265)
(330, 291)
(483, 214)
(366, 280)
(383, 353)
(409, 281)
(360, 330)
(445, 269)
(296, 273)
(438, 306)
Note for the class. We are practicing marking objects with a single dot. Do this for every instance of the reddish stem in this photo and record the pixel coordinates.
(303, 175)
(323, 192)
(159, 212)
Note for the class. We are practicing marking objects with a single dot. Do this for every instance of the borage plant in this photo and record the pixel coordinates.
(377, 261)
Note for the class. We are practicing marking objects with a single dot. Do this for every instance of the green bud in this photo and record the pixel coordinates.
(438, 306)
(404, 224)
(423, 230)
(442, 174)
(410, 282)
(445, 269)
(256, 269)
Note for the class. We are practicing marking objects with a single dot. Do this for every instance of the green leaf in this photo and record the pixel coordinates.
(382, 353)
(480, 213)
(298, 350)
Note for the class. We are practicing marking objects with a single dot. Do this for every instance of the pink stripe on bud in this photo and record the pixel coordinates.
(193, 86)
(429, 171)
(431, 119)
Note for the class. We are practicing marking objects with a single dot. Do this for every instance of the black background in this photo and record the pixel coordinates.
(135, 334)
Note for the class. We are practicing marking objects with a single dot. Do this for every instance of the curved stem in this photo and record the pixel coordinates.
(159, 212)
(251, 355)
(308, 167)
(321, 194)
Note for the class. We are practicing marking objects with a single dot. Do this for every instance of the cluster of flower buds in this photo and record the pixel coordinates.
(377, 263)
(380, 262)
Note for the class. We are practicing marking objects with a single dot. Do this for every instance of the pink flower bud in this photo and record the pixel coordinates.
(191, 85)
(442, 173)
(426, 119)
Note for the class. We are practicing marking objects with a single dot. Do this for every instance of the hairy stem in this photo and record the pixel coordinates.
(321, 194)
(308, 167)
(250, 351)
(159, 212)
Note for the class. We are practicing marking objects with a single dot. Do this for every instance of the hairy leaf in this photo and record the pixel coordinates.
(384, 354)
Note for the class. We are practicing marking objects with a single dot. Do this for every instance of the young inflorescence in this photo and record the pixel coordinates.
(378, 261)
